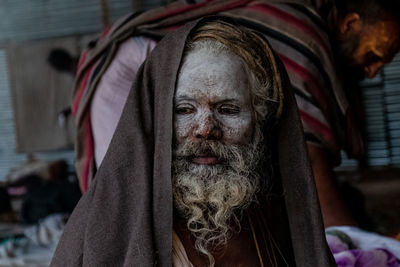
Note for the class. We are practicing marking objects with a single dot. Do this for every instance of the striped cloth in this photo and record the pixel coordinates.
(295, 30)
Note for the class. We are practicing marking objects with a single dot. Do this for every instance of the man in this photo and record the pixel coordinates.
(201, 167)
(318, 45)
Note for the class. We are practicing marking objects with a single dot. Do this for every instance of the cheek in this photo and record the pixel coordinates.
(238, 130)
(182, 127)
(358, 57)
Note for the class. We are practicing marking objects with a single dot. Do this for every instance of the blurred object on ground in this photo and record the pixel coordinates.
(37, 189)
(353, 247)
(31, 246)
(379, 190)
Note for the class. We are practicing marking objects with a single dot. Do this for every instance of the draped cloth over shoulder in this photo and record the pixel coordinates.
(126, 216)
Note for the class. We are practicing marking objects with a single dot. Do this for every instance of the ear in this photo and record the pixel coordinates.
(350, 24)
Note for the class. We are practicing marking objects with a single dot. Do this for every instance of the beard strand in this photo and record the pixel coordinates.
(211, 198)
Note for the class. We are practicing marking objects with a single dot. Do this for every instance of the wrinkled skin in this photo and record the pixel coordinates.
(212, 101)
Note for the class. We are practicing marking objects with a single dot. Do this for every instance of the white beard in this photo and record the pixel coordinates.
(211, 197)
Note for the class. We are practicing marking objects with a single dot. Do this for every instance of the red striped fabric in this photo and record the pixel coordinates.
(81, 91)
(179, 10)
(317, 125)
(313, 87)
(300, 25)
(88, 154)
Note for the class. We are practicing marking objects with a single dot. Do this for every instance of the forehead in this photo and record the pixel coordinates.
(212, 73)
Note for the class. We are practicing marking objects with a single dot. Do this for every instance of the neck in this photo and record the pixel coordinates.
(239, 251)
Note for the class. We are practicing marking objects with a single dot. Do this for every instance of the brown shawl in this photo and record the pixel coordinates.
(126, 216)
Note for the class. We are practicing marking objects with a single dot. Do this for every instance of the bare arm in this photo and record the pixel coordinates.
(334, 209)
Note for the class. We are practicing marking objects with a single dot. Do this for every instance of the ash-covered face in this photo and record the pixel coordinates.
(212, 101)
(216, 154)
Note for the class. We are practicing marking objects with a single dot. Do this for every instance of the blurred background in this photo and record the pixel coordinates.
(29, 30)
(40, 42)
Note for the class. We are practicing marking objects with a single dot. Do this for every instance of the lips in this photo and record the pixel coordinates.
(206, 160)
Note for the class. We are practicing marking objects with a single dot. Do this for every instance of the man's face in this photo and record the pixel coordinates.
(367, 51)
(215, 157)
(212, 101)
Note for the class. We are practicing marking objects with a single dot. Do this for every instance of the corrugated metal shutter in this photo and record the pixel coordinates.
(382, 104)
(375, 111)
(27, 20)
(8, 158)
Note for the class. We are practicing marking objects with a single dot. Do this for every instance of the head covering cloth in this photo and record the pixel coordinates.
(126, 216)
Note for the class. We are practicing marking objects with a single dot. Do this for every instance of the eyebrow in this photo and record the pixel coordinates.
(179, 98)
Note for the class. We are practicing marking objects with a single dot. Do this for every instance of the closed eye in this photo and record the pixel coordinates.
(184, 109)
(371, 57)
(228, 109)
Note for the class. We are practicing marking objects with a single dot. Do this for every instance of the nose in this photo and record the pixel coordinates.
(372, 70)
(207, 128)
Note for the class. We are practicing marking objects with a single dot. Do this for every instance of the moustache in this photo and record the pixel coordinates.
(215, 149)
